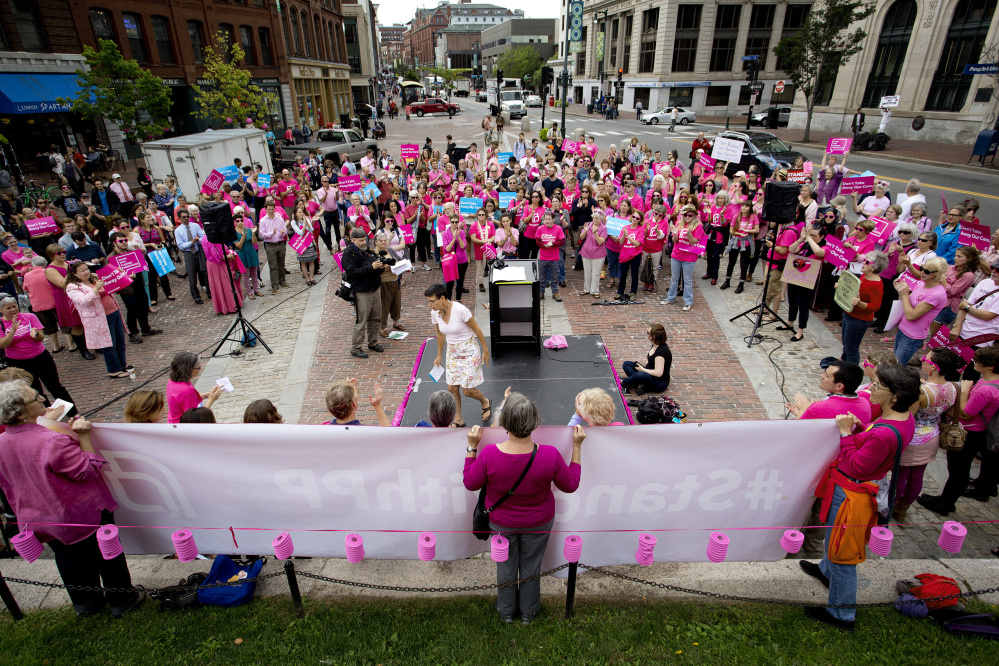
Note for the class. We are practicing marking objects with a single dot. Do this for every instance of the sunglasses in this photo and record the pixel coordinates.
(924, 240)
(926, 359)
(120, 240)
(60, 252)
(830, 217)
(906, 232)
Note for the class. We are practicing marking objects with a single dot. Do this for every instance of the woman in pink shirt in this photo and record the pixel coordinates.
(531, 219)
(920, 307)
(482, 234)
(102, 325)
(21, 337)
(656, 233)
(688, 232)
(525, 518)
(745, 226)
(630, 258)
(455, 240)
(53, 482)
(42, 299)
(181, 394)
(959, 278)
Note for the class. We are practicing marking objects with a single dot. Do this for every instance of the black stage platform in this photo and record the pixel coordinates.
(552, 381)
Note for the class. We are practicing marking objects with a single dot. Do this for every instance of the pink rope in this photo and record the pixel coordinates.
(620, 389)
(401, 411)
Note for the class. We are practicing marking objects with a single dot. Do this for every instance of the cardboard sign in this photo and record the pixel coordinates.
(504, 158)
(615, 225)
(114, 278)
(858, 184)
(978, 236)
(41, 225)
(706, 161)
(263, 180)
(729, 150)
(847, 288)
(349, 183)
(889, 101)
(570, 146)
(161, 261)
(801, 271)
(469, 205)
(301, 242)
(409, 151)
(798, 176)
(213, 183)
(407, 233)
(838, 145)
(506, 198)
(839, 256)
(131, 262)
(883, 229)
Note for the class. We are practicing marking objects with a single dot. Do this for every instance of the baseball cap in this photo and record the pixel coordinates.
(115, 176)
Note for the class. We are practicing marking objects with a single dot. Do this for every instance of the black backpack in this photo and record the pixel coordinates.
(180, 599)
(660, 409)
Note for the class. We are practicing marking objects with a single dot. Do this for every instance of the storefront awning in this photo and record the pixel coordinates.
(36, 93)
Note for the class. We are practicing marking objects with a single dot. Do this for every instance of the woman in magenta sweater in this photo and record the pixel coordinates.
(526, 517)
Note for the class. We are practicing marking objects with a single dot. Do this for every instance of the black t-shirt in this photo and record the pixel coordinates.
(661, 350)
(549, 186)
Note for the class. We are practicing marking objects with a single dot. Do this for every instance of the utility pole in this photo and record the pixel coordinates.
(565, 73)
(600, 15)
(755, 86)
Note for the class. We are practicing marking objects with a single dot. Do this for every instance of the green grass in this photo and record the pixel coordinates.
(467, 631)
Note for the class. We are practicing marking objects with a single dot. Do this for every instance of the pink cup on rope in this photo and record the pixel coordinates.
(426, 547)
(355, 548)
(792, 541)
(27, 545)
(880, 541)
(283, 546)
(646, 546)
(499, 548)
(717, 547)
(952, 536)
(183, 543)
(572, 548)
(107, 540)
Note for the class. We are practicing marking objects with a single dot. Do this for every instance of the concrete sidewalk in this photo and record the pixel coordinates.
(781, 580)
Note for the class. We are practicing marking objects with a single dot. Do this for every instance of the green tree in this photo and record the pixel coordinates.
(518, 62)
(814, 55)
(232, 97)
(408, 74)
(121, 92)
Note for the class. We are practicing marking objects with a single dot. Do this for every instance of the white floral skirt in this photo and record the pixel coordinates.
(464, 364)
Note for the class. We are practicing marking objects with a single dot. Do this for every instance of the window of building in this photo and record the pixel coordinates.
(647, 52)
(321, 43)
(759, 47)
(647, 57)
(102, 21)
(727, 17)
(613, 57)
(305, 35)
(762, 17)
(581, 58)
(794, 18)
(355, 64)
(350, 32)
(684, 54)
(294, 33)
(688, 17)
(264, 35)
(722, 53)
(161, 35)
(29, 27)
(228, 37)
(133, 33)
(745, 95)
(896, 32)
(964, 44)
(614, 26)
(825, 84)
(718, 96)
(983, 95)
(682, 97)
(626, 58)
(642, 95)
(628, 24)
(197, 41)
(246, 42)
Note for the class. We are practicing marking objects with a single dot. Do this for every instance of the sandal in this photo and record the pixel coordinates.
(398, 326)
(383, 332)
(251, 296)
(117, 375)
(56, 351)
(459, 425)
(487, 412)
(152, 302)
(171, 298)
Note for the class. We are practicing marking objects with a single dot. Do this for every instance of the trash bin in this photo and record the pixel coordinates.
(773, 116)
(589, 108)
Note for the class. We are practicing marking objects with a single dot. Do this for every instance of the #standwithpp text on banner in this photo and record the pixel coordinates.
(686, 477)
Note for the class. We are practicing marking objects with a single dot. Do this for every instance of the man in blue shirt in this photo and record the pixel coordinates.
(85, 250)
(104, 199)
(188, 236)
(949, 235)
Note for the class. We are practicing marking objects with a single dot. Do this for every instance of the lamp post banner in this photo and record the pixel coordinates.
(677, 481)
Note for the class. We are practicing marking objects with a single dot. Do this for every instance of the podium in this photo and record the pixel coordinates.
(515, 308)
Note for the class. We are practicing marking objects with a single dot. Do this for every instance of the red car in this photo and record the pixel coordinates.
(433, 105)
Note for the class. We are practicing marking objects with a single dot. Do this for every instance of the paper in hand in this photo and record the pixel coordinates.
(226, 385)
(67, 408)
(436, 373)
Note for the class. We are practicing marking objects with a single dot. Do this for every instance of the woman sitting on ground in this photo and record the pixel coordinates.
(262, 411)
(594, 407)
(341, 401)
(145, 407)
(653, 377)
(440, 411)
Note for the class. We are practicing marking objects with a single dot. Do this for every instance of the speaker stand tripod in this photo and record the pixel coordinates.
(241, 324)
(758, 310)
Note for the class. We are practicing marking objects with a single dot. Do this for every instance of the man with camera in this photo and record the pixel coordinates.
(362, 268)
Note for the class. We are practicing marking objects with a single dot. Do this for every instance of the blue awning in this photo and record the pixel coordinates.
(36, 93)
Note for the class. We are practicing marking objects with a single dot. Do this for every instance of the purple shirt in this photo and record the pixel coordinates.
(919, 328)
(460, 253)
(534, 503)
(48, 478)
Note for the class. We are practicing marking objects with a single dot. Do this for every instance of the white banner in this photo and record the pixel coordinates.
(678, 482)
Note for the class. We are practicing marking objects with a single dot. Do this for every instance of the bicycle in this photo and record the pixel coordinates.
(33, 193)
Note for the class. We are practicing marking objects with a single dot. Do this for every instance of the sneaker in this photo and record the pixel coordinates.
(557, 298)
(376, 347)
(359, 353)
(686, 307)
(427, 268)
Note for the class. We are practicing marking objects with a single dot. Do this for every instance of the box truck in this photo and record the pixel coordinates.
(192, 157)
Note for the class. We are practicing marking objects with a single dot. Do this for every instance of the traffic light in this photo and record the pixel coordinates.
(752, 69)
(620, 73)
(547, 75)
(499, 76)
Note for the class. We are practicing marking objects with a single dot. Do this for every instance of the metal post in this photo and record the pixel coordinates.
(565, 72)
(570, 592)
(296, 595)
(544, 96)
(9, 601)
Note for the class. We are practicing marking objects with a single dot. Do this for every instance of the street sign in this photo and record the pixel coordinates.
(756, 86)
(750, 57)
(779, 87)
(981, 68)
(528, 79)
(575, 26)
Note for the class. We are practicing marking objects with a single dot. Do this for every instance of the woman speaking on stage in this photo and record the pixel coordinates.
(456, 326)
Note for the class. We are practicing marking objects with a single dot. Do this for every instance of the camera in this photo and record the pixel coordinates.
(383, 256)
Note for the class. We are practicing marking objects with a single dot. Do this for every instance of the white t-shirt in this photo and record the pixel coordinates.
(456, 329)
(974, 326)
(921, 259)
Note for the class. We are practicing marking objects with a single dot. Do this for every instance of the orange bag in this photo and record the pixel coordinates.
(856, 516)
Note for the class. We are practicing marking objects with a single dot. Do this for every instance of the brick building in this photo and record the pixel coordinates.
(391, 44)
(424, 28)
(458, 46)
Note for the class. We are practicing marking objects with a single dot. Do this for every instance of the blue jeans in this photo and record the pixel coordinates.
(549, 275)
(946, 316)
(114, 356)
(561, 264)
(613, 264)
(853, 332)
(905, 347)
(644, 379)
(686, 269)
(842, 577)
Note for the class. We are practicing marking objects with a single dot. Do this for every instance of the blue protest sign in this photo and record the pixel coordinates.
(469, 206)
(230, 172)
(504, 158)
(615, 225)
(371, 192)
(263, 180)
(505, 198)
(161, 261)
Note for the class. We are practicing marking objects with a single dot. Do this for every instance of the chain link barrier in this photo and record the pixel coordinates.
(134, 588)
(397, 588)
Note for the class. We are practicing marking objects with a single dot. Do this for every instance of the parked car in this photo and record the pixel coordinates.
(783, 116)
(763, 149)
(433, 105)
(480, 95)
(663, 115)
(533, 100)
(330, 143)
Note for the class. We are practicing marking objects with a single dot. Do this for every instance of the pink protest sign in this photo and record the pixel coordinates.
(909, 279)
(131, 262)
(349, 183)
(799, 176)
(883, 229)
(213, 183)
(940, 339)
(943, 202)
(976, 235)
(698, 247)
(706, 161)
(407, 233)
(114, 278)
(859, 184)
(807, 166)
(301, 242)
(838, 145)
(659, 165)
(836, 254)
(409, 151)
(570, 146)
(41, 225)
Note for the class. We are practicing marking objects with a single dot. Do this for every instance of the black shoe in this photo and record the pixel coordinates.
(640, 390)
(822, 615)
(359, 353)
(140, 596)
(814, 571)
(934, 504)
(832, 319)
(973, 487)
(726, 285)
(85, 353)
(974, 494)
(376, 347)
(135, 339)
(622, 297)
(199, 301)
(561, 283)
(740, 288)
(152, 331)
